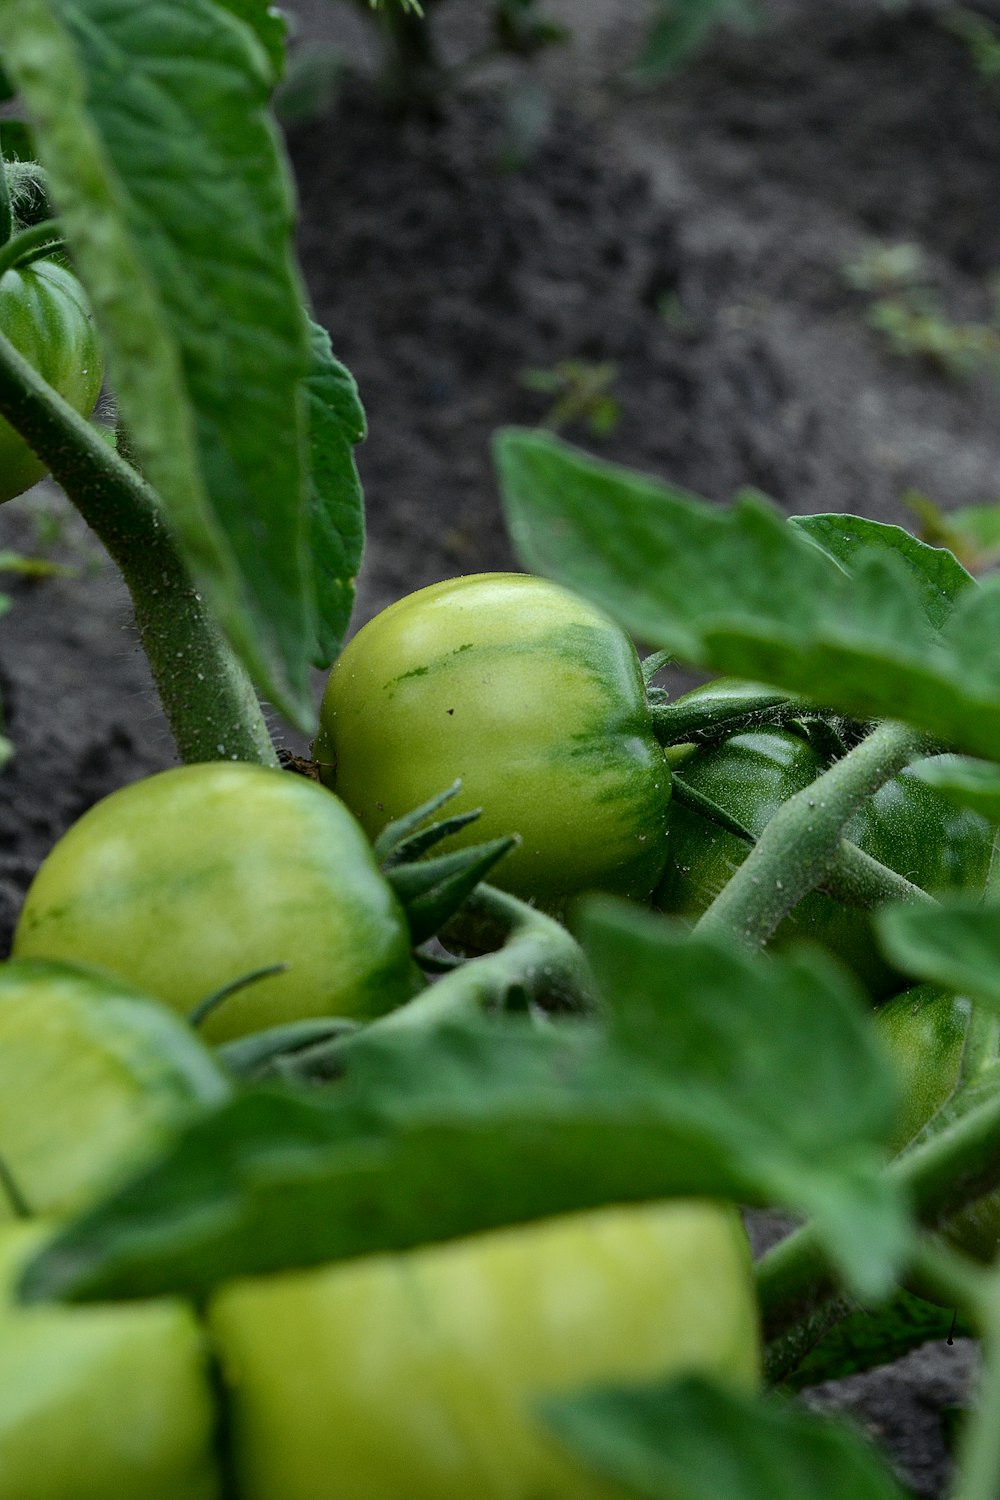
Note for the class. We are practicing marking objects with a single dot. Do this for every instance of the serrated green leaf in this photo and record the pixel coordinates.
(955, 945)
(736, 590)
(868, 1338)
(170, 181)
(968, 783)
(937, 574)
(786, 1049)
(691, 1440)
(336, 505)
(268, 25)
(677, 1098)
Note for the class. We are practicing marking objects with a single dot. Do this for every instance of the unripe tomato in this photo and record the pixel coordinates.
(532, 697)
(907, 825)
(44, 314)
(190, 879)
(417, 1375)
(93, 1079)
(101, 1403)
(924, 1030)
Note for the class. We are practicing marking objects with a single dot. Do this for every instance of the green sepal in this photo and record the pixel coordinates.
(406, 839)
(432, 890)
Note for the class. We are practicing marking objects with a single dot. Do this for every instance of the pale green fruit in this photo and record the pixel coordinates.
(94, 1079)
(415, 1377)
(104, 1402)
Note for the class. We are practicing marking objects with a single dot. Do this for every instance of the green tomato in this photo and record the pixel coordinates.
(535, 700)
(924, 1031)
(44, 314)
(185, 882)
(101, 1403)
(93, 1079)
(417, 1374)
(906, 825)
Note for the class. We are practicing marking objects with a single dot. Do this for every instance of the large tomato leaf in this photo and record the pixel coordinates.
(433, 1134)
(857, 616)
(270, 26)
(172, 188)
(336, 506)
(692, 1440)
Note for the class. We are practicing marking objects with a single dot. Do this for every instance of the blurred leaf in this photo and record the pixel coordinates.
(167, 172)
(336, 504)
(867, 1338)
(681, 27)
(680, 1097)
(268, 24)
(737, 590)
(969, 783)
(955, 945)
(690, 1440)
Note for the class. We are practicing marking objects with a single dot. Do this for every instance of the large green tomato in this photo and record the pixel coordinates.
(184, 882)
(906, 825)
(44, 314)
(101, 1403)
(532, 697)
(417, 1375)
(93, 1079)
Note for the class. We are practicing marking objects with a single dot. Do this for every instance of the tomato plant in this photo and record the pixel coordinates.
(529, 696)
(548, 1074)
(44, 314)
(908, 826)
(191, 879)
(432, 1361)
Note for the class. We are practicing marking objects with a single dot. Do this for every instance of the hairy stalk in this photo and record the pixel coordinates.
(800, 846)
(207, 696)
(30, 244)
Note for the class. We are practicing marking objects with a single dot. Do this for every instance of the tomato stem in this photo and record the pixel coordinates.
(538, 960)
(698, 721)
(802, 844)
(207, 696)
(30, 244)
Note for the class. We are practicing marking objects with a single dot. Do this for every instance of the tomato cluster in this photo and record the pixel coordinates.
(372, 1380)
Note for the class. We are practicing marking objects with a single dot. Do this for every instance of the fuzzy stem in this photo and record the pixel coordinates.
(207, 696)
(801, 844)
(30, 244)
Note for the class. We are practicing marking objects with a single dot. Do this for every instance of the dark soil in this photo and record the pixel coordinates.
(694, 237)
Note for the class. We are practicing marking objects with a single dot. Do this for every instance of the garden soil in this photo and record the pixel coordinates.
(695, 238)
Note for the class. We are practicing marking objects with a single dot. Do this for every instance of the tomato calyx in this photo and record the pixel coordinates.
(432, 890)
